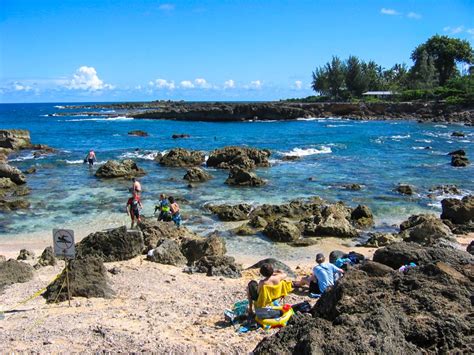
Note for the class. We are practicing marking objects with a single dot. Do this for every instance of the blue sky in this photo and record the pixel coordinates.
(79, 50)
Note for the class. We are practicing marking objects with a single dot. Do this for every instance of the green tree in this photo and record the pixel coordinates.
(424, 74)
(320, 81)
(335, 74)
(446, 53)
(395, 78)
(355, 80)
(372, 75)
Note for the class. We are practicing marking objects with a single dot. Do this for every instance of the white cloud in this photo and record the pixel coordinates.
(414, 15)
(470, 31)
(186, 84)
(202, 83)
(390, 12)
(163, 84)
(21, 87)
(298, 84)
(86, 78)
(256, 84)
(166, 7)
(453, 30)
(229, 84)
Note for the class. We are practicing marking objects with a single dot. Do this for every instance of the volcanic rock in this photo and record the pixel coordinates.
(180, 157)
(114, 169)
(26, 255)
(405, 189)
(176, 136)
(15, 139)
(243, 157)
(155, 232)
(258, 222)
(377, 240)
(459, 161)
(425, 229)
(282, 230)
(168, 252)
(195, 249)
(241, 177)
(47, 258)
(197, 175)
(458, 211)
(277, 265)
(87, 278)
(13, 271)
(112, 245)
(231, 212)
(217, 266)
(138, 133)
(362, 216)
(12, 173)
(457, 134)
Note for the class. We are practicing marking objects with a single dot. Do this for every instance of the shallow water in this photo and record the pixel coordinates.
(376, 154)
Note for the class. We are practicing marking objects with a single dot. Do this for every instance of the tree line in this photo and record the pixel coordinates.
(433, 75)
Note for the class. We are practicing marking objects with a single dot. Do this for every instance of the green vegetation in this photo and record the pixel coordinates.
(433, 76)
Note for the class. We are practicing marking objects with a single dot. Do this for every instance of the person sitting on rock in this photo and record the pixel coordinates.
(272, 287)
(134, 206)
(175, 215)
(324, 274)
(164, 207)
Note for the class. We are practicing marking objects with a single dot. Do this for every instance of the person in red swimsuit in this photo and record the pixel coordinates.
(134, 206)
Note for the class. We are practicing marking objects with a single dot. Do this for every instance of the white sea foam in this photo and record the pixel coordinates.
(309, 119)
(301, 152)
(81, 161)
(59, 106)
(25, 157)
(440, 126)
(106, 119)
(339, 125)
(418, 148)
(400, 137)
(423, 140)
(148, 155)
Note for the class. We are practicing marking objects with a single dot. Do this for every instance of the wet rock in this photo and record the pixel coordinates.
(458, 211)
(304, 242)
(114, 169)
(282, 230)
(446, 189)
(6, 183)
(258, 222)
(112, 245)
(13, 271)
(26, 255)
(241, 177)
(231, 212)
(333, 220)
(277, 265)
(217, 266)
(197, 175)
(459, 161)
(403, 253)
(405, 189)
(30, 170)
(362, 216)
(15, 139)
(460, 152)
(12, 173)
(457, 134)
(13, 205)
(47, 258)
(470, 248)
(138, 133)
(352, 187)
(377, 240)
(423, 311)
(168, 252)
(425, 229)
(154, 232)
(244, 229)
(158, 157)
(243, 157)
(195, 249)
(87, 278)
(176, 136)
(180, 157)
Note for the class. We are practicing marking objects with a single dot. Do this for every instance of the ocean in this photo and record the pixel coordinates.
(333, 152)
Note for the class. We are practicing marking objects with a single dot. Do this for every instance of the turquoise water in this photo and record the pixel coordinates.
(376, 154)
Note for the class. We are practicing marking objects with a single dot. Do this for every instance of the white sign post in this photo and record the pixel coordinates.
(63, 240)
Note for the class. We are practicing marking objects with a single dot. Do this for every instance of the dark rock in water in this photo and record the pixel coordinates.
(195, 249)
(12, 173)
(470, 248)
(282, 230)
(13, 205)
(353, 187)
(405, 189)
(176, 136)
(244, 229)
(180, 157)
(446, 189)
(158, 157)
(258, 222)
(377, 240)
(374, 311)
(138, 133)
(332, 220)
(231, 212)
(243, 157)
(459, 161)
(460, 152)
(197, 175)
(277, 265)
(241, 177)
(217, 266)
(87, 278)
(154, 232)
(403, 253)
(112, 245)
(113, 169)
(425, 229)
(30, 170)
(13, 271)
(290, 158)
(6, 183)
(15, 139)
(26, 255)
(458, 211)
(362, 216)
(457, 134)
(168, 252)
(47, 258)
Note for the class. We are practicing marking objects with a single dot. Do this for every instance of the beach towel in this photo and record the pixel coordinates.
(268, 293)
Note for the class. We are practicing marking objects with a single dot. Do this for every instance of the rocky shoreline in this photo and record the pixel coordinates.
(227, 112)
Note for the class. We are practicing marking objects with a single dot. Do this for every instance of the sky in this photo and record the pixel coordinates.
(222, 50)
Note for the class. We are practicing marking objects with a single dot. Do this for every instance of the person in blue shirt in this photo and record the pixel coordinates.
(324, 274)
